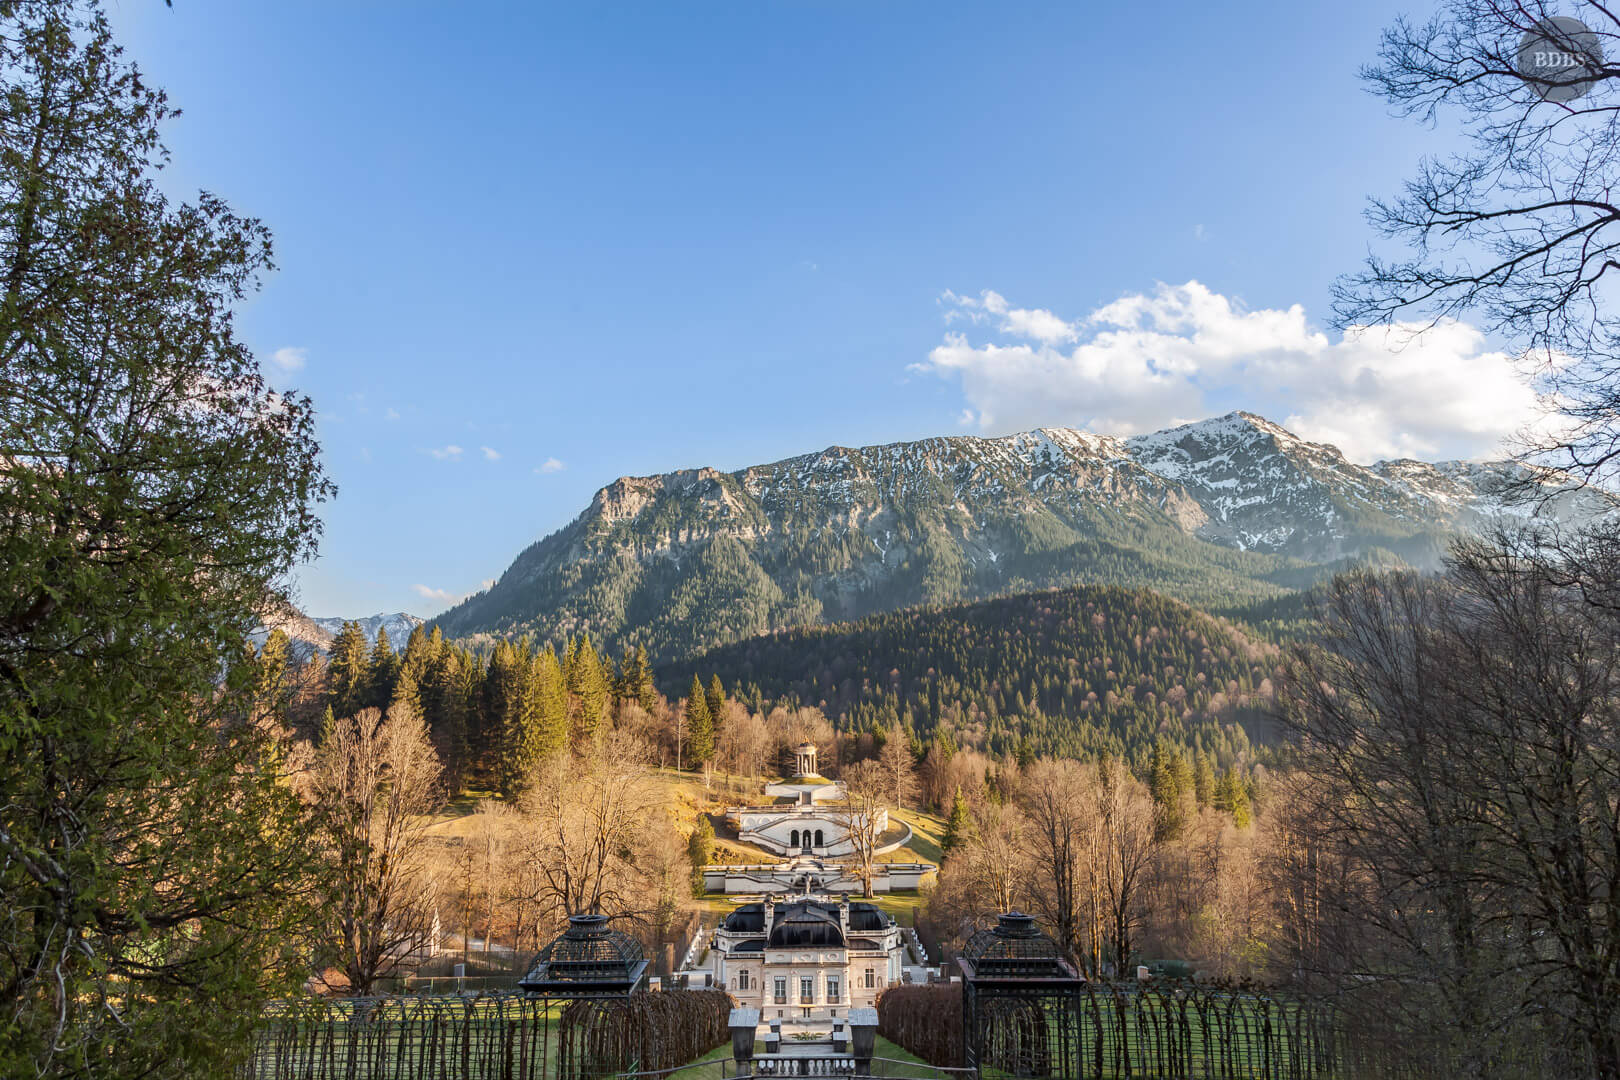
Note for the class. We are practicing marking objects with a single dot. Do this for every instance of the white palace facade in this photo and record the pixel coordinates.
(807, 958)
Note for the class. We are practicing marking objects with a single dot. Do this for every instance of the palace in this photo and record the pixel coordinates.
(808, 958)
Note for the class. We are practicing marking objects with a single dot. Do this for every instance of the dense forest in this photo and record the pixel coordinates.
(493, 714)
(1069, 672)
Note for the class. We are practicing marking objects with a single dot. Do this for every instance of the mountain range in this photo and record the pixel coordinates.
(316, 634)
(1217, 513)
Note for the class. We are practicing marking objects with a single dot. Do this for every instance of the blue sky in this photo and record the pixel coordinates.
(580, 241)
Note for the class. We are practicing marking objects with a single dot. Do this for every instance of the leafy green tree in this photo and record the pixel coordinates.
(958, 826)
(155, 491)
(699, 725)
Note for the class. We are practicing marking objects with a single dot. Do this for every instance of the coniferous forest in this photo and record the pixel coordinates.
(1065, 673)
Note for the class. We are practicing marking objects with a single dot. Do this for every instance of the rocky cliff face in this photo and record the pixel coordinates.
(1213, 512)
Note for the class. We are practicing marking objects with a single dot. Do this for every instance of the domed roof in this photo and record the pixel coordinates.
(747, 919)
(587, 960)
(1015, 948)
(805, 925)
(868, 917)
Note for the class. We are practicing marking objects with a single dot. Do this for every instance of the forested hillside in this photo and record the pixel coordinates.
(1067, 672)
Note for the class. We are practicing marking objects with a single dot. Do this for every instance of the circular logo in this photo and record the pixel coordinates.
(1559, 57)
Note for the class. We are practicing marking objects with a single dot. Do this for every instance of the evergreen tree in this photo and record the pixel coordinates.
(699, 725)
(539, 725)
(715, 699)
(635, 681)
(348, 670)
(459, 680)
(1242, 816)
(506, 697)
(700, 851)
(550, 718)
(382, 671)
(957, 826)
(1203, 779)
(646, 694)
(1164, 783)
(700, 846)
(270, 691)
(589, 685)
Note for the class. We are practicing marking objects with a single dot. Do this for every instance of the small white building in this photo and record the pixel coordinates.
(805, 819)
(807, 959)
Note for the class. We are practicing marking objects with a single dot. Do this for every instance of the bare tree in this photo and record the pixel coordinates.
(588, 813)
(494, 827)
(748, 741)
(1521, 228)
(1126, 851)
(863, 815)
(375, 780)
(899, 768)
(993, 854)
(1058, 799)
(1461, 734)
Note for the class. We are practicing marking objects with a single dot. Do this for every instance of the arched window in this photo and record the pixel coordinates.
(794, 842)
(819, 840)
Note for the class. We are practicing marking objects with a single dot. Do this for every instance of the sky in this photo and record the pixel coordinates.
(525, 249)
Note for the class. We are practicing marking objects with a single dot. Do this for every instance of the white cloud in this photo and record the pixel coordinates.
(550, 465)
(447, 453)
(391, 414)
(1036, 323)
(289, 358)
(490, 453)
(1145, 362)
(442, 596)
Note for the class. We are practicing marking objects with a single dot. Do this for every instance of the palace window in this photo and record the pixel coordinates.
(807, 989)
(742, 980)
(819, 840)
(781, 990)
(871, 979)
(832, 990)
(794, 840)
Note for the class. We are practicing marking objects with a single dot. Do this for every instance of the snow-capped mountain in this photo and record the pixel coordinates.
(398, 625)
(1214, 512)
(315, 635)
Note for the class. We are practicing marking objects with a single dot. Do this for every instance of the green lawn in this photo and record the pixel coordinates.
(926, 830)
